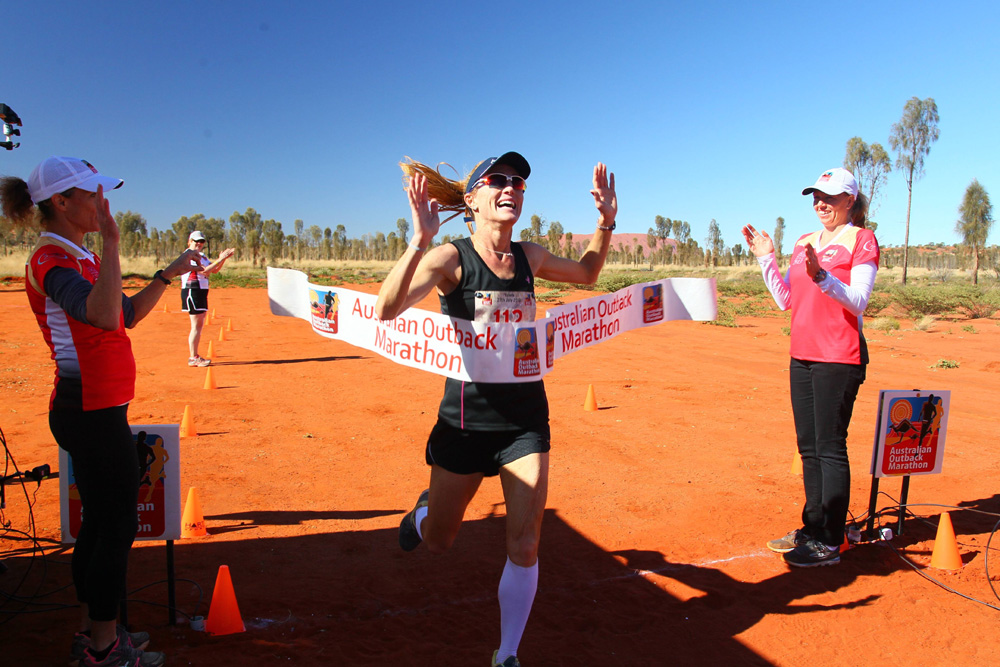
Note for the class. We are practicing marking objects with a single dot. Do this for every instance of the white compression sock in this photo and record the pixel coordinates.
(516, 593)
(418, 517)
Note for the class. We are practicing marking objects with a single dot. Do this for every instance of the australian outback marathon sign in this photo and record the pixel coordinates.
(510, 345)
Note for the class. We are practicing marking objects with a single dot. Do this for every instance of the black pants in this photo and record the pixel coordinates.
(104, 464)
(823, 397)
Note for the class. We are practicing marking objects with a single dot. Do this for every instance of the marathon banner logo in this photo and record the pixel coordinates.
(495, 351)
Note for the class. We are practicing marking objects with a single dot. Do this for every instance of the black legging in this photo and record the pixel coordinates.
(104, 464)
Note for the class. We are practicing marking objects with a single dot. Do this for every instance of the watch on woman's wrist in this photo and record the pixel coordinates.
(820, 276)
(609, 228)
(159, 276)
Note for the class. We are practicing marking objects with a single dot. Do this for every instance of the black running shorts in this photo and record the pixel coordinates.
(194, 300)
(465, 452)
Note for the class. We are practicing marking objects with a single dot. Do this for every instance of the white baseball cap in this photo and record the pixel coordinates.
(835, 181)
(196, 236)
(59, 174)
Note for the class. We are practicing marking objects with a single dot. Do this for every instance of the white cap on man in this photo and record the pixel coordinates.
(833, 182)
(196, 236)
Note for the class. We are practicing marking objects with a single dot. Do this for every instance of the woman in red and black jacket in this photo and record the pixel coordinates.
(82, 312)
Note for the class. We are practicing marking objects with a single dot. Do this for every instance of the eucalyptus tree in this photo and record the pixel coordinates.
(248, 230)
(555, 235)
(404, 227)
(132, 231)
(974, 223)
(779, 236)
(870, 165)
(911, 138)
(715, 242)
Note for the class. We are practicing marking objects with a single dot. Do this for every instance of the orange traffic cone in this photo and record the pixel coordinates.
(212, 317)
(193, 523)
(210, 354)
(187, 425)
(222, 334)
(224, 614)
(165, 307)
(846, 545)
(590, 404)
(210, 379)
(229, 324)
(945, 555)
(797, 464)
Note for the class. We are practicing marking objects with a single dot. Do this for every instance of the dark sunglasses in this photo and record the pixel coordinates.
(501, 181)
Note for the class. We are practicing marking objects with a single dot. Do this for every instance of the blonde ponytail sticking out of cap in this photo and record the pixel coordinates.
(449, 194)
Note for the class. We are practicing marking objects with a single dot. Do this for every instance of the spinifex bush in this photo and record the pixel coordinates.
(884, 324)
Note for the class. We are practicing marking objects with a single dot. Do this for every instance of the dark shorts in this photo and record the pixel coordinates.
(465, 452)
(194, 300)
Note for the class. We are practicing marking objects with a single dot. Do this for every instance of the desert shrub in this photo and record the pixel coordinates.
(945, 363)
(726, 316)
(978, 303)
(742, 285)
(968, 328)
(877, 302)
(920, 301)
(924, 323)
(885, 324)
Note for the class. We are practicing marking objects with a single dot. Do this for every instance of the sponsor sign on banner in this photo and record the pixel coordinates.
(509, 347)
(911, 430)
(159, 504)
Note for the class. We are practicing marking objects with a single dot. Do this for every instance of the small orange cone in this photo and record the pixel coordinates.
(224, 614)
(846, 545)
(229, 324)
(187, 425)
(797, 464)
(945, 555)
(210, 379)
(590, 404)
(211, 350)
(212, 317)
(165, 307)
(193, 523)
(222, 334)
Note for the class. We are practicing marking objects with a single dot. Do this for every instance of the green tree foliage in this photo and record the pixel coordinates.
(870, 165)
(715, 242)
(555, 235)
(273, 241)
(300, 227)
(247, 229)
(911, 139)
(974, 222)
(132, 231)
(404, 227)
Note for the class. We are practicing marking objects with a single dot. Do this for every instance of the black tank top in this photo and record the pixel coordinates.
(486, 406)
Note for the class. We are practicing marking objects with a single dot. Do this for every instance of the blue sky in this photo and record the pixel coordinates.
(302, 110)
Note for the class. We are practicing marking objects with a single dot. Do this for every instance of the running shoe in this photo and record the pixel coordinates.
(123, 655)
(785, 544)
(812, 553)
(511, 661)
(81, 642)
(200, 362)
(409, 538)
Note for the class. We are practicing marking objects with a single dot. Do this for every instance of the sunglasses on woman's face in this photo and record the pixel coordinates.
(501, 181)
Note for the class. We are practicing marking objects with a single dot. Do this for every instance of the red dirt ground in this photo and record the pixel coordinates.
(310, 451)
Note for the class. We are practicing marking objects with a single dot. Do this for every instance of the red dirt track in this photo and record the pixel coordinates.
(310, 451)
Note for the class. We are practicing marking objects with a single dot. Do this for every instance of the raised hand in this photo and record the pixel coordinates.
(759, 243)
(604, 194)
(105, 221)
(426, 221)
